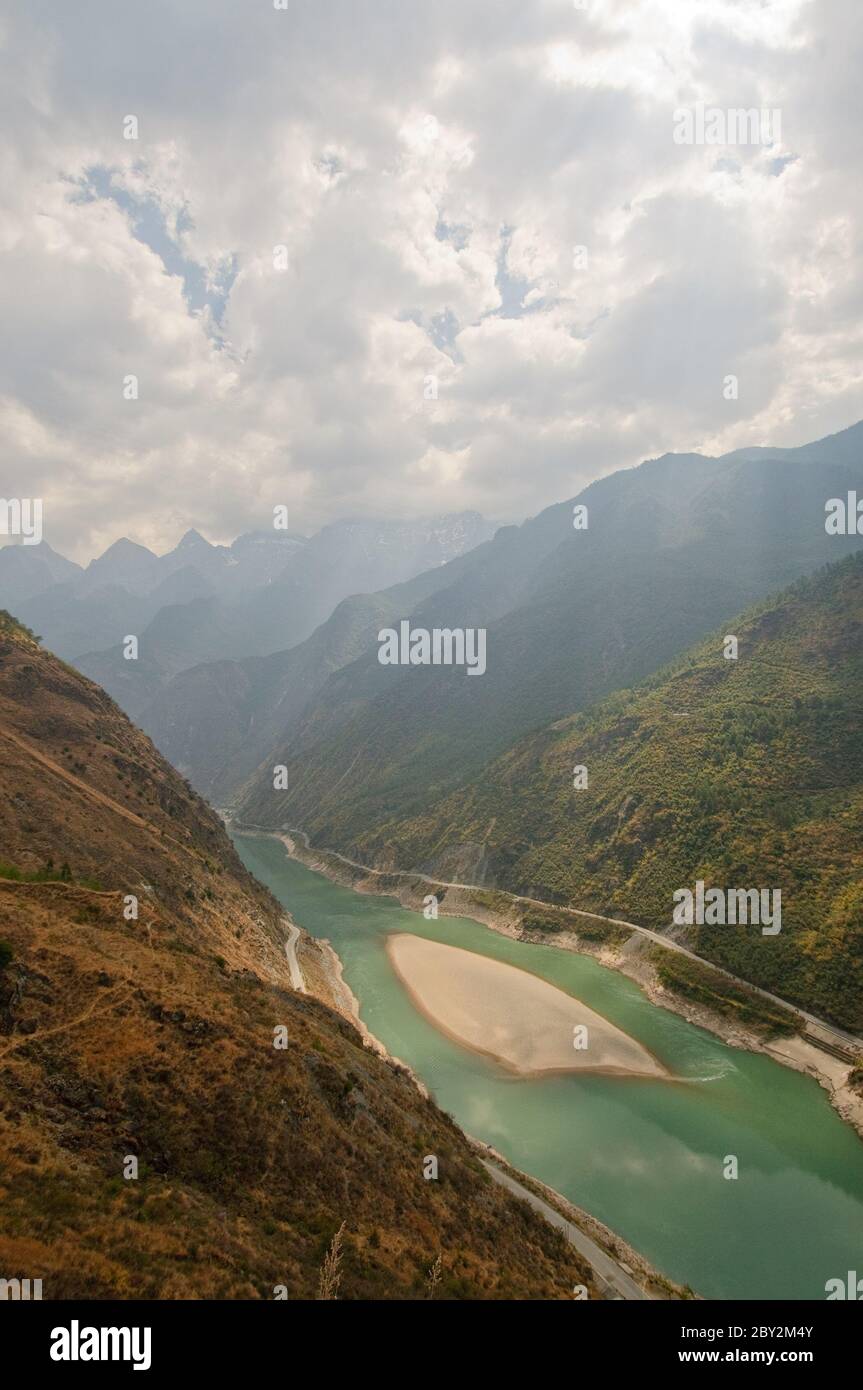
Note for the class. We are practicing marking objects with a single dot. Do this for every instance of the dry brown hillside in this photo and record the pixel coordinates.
(153, 1039)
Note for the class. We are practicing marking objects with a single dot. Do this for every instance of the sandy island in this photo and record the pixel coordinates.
(517, 1018)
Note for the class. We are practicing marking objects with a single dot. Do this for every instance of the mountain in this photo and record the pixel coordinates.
(672, 549)
(266, 592)
(343, 559)
(150, 1040)
(69, 623)
(124, 564)
(26, 570)
(121, 591)
(743, 773)
(217, 721)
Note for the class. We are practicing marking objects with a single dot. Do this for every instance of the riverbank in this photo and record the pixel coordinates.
(614, 946)
(324, 976)
(608, 1245)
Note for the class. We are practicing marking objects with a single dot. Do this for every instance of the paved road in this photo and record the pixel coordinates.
(621, 1284)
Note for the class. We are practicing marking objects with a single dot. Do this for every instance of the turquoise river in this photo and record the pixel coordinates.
(644, 1156)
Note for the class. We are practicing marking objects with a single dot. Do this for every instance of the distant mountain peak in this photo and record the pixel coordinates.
(192, 538)
(123, 547)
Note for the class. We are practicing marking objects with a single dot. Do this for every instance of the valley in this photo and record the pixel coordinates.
(644, 1156)
(154, 1142)
(507, 927)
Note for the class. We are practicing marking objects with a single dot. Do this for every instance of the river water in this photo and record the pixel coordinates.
(644, 1156)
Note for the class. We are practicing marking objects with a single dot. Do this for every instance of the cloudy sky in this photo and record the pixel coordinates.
(430, 168)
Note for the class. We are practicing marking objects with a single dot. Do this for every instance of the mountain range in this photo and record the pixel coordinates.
(426, 768)
(673, 548)
(262, 594)
(670, 548)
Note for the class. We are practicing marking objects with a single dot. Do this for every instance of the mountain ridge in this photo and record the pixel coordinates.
(673, 548)
(266, 592)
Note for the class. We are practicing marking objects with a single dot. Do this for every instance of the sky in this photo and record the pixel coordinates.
(393, 258)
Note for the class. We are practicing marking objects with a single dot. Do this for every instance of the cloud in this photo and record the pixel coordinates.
(430, 172)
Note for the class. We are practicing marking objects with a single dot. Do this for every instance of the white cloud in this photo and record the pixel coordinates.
(430, 170)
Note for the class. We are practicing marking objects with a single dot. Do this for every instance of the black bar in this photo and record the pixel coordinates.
(265, 1339)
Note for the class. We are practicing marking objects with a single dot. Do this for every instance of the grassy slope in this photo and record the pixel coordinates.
(155, 1039)
(744, 774)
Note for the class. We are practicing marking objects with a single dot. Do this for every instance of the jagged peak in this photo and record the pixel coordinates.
(193, 537)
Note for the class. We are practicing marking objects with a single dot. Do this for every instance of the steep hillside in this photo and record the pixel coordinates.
(217, 721)
(153, 1040)
(672, 549)
(745, 773)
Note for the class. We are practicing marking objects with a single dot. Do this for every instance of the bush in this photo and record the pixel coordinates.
(6, 954)
(704, 986)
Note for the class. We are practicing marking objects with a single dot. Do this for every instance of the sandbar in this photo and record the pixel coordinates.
(522, 1021)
